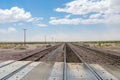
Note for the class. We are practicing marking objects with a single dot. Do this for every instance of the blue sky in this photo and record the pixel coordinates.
(60, 20)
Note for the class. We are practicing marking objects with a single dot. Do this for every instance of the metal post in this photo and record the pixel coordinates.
(52, 40)
(65, 64)
(45, 39)
(24, 37)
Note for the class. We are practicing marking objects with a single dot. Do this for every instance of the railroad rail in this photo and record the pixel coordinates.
(63, 67)
(14, 72)
(107, 54)
(87, 65)
(38, 55)
(35, 56)
(115, 60)
(33, 53)
(65, 64)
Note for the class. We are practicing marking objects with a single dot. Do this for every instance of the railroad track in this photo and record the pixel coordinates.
(33, 57)
(112, 60)
(107, 54)
(65, 69)
(36, 54)
(15, 71)
(96, 75)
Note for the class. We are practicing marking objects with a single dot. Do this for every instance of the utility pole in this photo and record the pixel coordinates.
(24, 37)
(45, 39)
(52, 39)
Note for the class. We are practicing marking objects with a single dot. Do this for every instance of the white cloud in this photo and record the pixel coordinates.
(79, 7)
(8, 30)
(103, 11)
(67, 16)
(94, 16)
(52, 18)
(41, 25)
(75, 21)
(38, 22)
(14, 14)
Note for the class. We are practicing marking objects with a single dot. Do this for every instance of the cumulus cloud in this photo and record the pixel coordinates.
(81, 7)
(8, 30)
(16, 14)
(103, 11)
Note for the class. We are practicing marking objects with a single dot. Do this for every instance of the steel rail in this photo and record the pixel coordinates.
(117, 61)
(65, 64)
(37, 52)
(22, 67)
(105, 53)
(33, 53)
(37, 56)
(87, 65)
(14, 72)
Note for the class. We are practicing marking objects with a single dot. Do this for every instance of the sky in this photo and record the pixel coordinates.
(60, 20)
